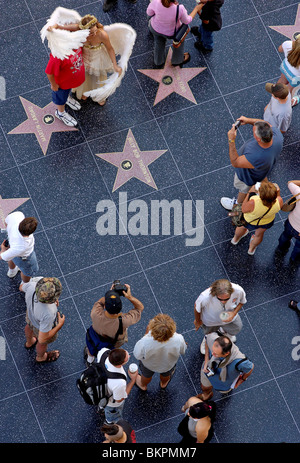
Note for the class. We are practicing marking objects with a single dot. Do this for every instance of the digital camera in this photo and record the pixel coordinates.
(119, 287)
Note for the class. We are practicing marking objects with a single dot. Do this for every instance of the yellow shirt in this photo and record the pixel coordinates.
(259, 210)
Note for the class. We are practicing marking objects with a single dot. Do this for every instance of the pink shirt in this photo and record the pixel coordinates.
(294, 216)
(163, 19)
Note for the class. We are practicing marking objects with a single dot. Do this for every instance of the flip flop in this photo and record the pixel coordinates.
(51, 357)
(295, 100)
(139, 386)
(34, 344)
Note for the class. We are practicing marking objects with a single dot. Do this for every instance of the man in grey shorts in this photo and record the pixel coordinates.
(255, 159)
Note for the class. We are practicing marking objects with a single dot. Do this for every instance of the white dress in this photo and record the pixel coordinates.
(97, 64)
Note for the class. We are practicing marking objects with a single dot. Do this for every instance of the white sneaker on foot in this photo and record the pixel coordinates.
(228, 203)
(236, 242)
(12, 272)
(72, 103)
(66, 118)
(202, 346)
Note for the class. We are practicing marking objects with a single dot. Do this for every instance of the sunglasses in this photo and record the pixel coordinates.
(220, 299)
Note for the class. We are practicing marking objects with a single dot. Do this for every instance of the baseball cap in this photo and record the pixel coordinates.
(279, 90)
(113, 303)
(48, 290)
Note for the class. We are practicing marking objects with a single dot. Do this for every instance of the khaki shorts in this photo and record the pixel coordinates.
(239, 185)
(36, 331)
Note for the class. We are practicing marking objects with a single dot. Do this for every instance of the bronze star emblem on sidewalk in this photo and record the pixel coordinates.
(7, 206)
(132, 162)
(172, 79)
(40, 121)
(289, 30)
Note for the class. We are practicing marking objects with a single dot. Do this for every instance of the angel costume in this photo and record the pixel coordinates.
(96, 58)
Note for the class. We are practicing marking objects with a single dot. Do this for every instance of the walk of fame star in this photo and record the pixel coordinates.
(40, 121)
(132, 162)
(172, 79)
(288, 31)
(7, 206)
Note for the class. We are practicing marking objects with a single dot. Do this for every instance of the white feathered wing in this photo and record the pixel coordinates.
(122, 37)
(63, 43)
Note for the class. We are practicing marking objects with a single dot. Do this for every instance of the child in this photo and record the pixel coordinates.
(211, 21)
(279, 111)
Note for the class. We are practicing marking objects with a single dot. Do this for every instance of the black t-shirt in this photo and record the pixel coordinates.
(131, 439)
(211, 12)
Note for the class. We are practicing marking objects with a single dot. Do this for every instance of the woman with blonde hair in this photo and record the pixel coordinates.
(158, 351)
(290, 66)
(259, 211)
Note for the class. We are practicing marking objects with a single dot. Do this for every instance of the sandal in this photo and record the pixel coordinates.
(32, 345)
(293, 305)
(139, 385)
(52, 356)
(295, 100)
(187, 58)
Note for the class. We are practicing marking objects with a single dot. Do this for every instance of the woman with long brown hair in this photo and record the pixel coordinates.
(290, 66)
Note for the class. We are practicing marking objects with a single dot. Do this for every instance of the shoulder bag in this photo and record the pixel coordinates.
(289, 205)
(181, 33)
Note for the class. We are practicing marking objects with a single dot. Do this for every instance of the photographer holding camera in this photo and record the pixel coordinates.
(224, 368)
(109, 325)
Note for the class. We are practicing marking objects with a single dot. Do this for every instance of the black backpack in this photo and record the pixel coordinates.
(92, 384)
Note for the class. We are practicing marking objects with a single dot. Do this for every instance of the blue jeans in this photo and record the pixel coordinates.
(28, 266)
(206, 37)
(285, 240)
(113, 414)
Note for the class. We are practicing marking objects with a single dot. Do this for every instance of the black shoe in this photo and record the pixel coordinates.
(293, 305)
(108, 5)
(199, 46)
(195, 31)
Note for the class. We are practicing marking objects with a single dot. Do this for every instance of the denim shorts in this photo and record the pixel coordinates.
(60, 97)
(28, 265)
(114, 414)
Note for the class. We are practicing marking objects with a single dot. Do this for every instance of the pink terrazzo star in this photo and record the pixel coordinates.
(7, 206)
(172, 79)
(40, 121)
(132, 162)
(288, 31)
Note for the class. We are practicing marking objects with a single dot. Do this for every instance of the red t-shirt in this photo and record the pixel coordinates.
(69, 72)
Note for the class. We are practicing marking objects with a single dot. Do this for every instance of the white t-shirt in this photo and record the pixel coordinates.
(211, 308)
(19, 246)
(159, 356)
(287, 46)
(115, 387)
(294, 216)
(42, 316)
(279, 114)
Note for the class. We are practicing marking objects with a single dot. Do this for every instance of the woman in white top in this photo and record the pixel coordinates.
(290, 66)
(158, 351)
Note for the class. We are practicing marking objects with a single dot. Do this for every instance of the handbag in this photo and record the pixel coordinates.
(181, 33)
(289, 205)
(237, 216)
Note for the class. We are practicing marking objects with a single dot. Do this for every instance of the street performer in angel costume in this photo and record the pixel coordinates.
(100, 48)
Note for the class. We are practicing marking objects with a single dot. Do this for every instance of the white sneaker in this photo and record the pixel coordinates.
(66, 118)
(202, 346)
(74, 104)
(228, 203)
(236, 242)
(12, 272)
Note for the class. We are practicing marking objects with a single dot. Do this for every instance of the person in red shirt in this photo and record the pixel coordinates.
(63, 75)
